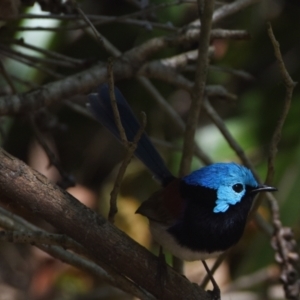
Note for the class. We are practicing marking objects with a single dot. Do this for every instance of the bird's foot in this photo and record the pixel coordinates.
(215, 293)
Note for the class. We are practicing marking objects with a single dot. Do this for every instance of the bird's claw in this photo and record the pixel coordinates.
(215, 294)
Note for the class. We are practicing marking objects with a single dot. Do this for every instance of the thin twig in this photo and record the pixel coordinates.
(103, 20)
(289, 86)
(217, 120)
(40, 238)
(108, 47)
(21, 231)
(262, 224)
(231, 8)
(36, 59)
(67, 180)
(106, 19)
(8, 78)
(130, 151)
(267, 274)
(165, 144)
(130, 146)
(158, 70)
(29, 62)
(221, 13)
(283, 240)
(56, 55)
(28, 84)
(237, 73)
(198, 90)
(143, 23)
(114, 102)
(79, 109)
(155, 69)
(90, 24)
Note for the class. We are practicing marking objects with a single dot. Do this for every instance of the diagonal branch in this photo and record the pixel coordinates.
(102, 240)
(13, 222)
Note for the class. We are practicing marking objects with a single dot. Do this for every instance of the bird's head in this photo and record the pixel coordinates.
(230, 181)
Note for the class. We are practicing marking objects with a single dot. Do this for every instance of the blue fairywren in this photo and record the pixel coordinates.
(194, 217)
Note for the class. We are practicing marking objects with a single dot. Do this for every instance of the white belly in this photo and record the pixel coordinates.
(167, 241)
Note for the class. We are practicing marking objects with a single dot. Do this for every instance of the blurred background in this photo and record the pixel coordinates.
(89, 155)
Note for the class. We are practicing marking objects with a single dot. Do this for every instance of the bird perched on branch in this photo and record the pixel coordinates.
(195, 217)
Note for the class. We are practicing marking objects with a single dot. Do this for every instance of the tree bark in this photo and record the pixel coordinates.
(106, 243)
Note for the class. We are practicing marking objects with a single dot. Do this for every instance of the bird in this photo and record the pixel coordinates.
(195, 217)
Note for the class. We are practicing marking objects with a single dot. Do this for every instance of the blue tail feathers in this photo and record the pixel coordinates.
(100, 106)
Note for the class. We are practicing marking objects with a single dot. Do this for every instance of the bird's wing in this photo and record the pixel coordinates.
(164, 206)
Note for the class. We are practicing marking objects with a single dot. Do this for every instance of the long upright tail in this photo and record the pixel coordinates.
(100, 106)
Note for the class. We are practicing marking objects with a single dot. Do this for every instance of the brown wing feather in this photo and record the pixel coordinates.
(164, 206)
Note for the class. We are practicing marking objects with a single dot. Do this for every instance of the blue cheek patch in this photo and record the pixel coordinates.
(221, 206)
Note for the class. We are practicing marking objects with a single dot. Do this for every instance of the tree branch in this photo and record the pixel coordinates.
(33, 191)
(11, 221)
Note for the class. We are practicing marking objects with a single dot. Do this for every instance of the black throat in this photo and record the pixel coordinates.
(200, 229)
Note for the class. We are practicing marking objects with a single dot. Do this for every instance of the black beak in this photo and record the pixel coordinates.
(263, 188)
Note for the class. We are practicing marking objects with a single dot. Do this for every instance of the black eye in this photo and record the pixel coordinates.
(238, 187)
